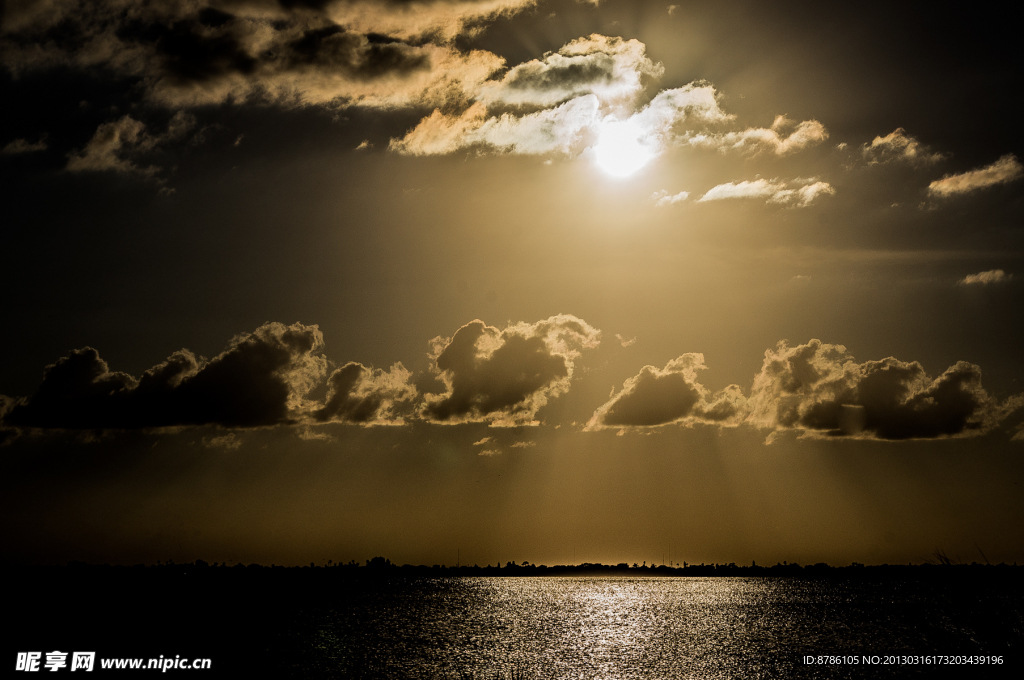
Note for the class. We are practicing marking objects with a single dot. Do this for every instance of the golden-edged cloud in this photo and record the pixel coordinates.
(815, 389)
(264, 378)
(669, 395)
(785, 136)
(898, 146)
(367, 396)
(503, 377)
(611, 69)
(820, 390)
(556, 130)
(286, 53)
(587, 92)
(772, 191)
(352, 53)
(1006, 169)
(116, 145)
(568, 128)
(985, 278)
(261, 379)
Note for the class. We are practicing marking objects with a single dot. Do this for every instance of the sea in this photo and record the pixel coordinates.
(649, 628)
(523, 628)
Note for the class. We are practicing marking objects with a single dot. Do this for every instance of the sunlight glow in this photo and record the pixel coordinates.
(619, 150)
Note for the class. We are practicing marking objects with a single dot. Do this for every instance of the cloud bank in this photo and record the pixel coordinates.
(264, 378)
(376, 55)
(186, 54)
(820, 390)
(566, 103)
(503, 378)
(817, 390)
(261, 379)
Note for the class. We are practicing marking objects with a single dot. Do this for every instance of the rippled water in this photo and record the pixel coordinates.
(597, 628)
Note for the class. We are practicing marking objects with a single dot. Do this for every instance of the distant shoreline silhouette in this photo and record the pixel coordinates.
(380, 566)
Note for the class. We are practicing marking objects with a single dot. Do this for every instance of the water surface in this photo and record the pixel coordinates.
(633, 628)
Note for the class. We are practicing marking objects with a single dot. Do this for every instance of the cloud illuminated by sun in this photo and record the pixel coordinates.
(621, 148)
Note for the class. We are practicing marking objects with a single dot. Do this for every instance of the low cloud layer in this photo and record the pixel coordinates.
(818, 390)
(261, 379)
(659, 396)
(1004, 170)
(501, 377)
(504, 377)
(265, 378)
(772, 191)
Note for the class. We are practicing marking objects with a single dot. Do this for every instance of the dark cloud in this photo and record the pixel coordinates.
(260, 379)
(263, 379)
(366, 396)
(7, 434)
(118, 145)
(20, 146)
(371, 57)
(191, 50)
(506, 376)
(304, 4)
(110, 147)
(658, 396)
(816, 389)
(819, 389)
(294, 54)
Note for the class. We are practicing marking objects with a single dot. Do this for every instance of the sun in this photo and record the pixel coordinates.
(619, 150)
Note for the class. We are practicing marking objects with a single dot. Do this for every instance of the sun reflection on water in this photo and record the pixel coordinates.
(625, 628)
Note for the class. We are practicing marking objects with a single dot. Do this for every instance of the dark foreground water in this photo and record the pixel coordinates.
(519, 627)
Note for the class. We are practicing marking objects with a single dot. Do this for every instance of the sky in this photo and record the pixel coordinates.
(506, 280)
